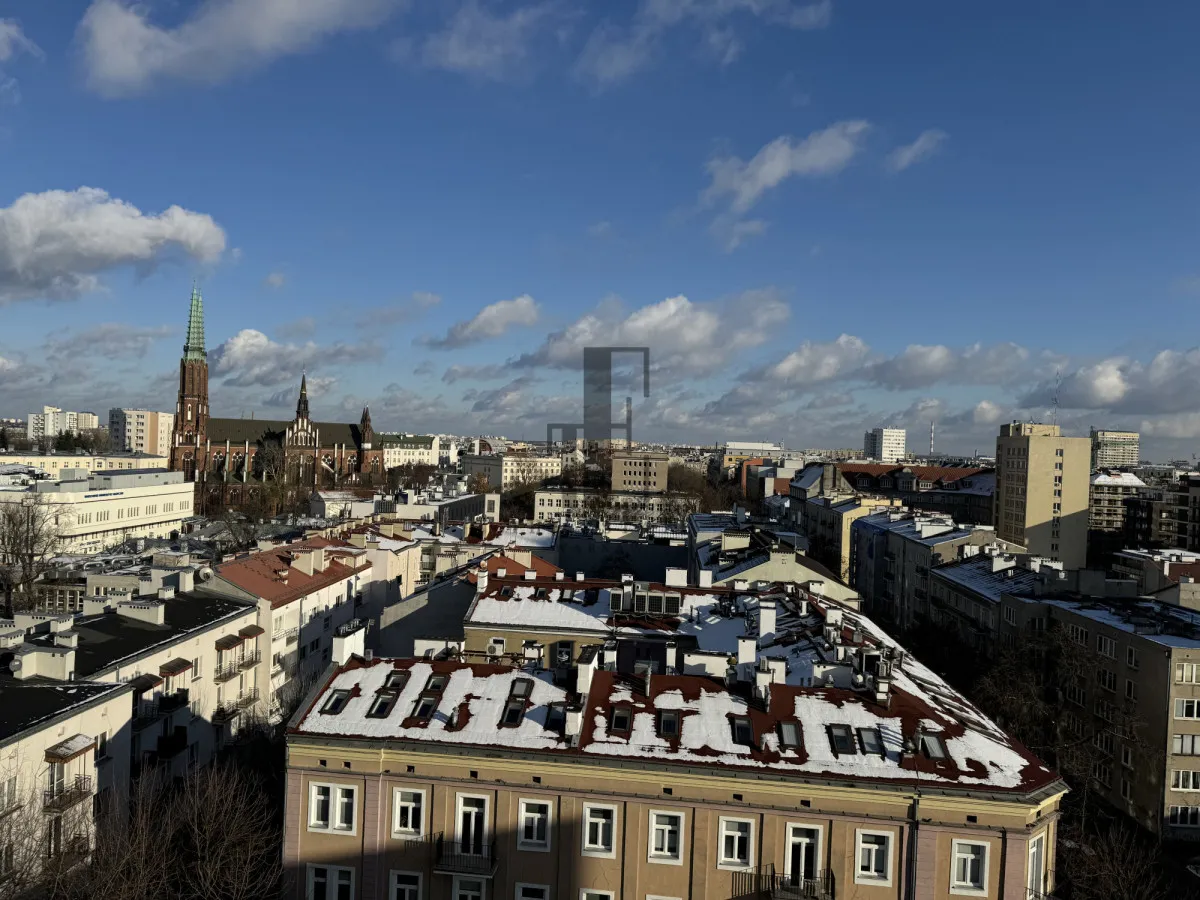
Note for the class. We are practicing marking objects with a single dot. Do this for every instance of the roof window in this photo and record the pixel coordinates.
(789, 734)
(514, 712)
(668, 723)
(620, 719)
(742, 732)
(396, 679)
(382, 704)
(841, 739)
(436, 683)
(871, 741)
(933, 746)
(336, 703)
(425, 706)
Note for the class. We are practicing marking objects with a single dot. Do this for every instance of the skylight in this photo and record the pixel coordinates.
(336, 703)
(742, 732)
(668, 723)
(425, 708)
(871, 741)
(382, 704)
(620, 719)
(789, 734)
(933, 747)
(841, 739)
(514, 712)
(397, 679)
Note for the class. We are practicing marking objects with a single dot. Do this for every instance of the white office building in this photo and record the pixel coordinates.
(141, 430)
(52, 421)
(884, 444)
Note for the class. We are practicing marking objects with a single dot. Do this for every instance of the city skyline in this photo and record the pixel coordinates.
(820, 219)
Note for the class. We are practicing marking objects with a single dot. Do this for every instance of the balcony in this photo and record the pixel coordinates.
(451, 859)
(71, 851)
(171, 702)
(764, 883)
(146, 715)
(225, 712)
(63, 796)
(173, 744)
(247, 699)
(250, 660)
(226, 673)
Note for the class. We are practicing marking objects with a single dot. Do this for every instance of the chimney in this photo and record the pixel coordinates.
(676, 577)
(589, 661)
(627, 579)
(766, 618)
(358, 539)
(186, 580)
(349, 640)
(747, 650)
(501, 572)
(150, 611)
(94, 606)
(741, 584)
(66, 639)
(579, 576)
(481, 580)
(672, 658)
(166, 593)
(303, 561)
(559, 576)
(530, 574)
(706, 578)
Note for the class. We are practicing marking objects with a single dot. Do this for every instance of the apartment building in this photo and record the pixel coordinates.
(304, 593)
(965, 595)
(1115, 449)
(1139, 700)
(1042, 491)
(52, 421)
(825, 763)
(64, 750)
(885, 445)
(54, 463)
(736, 452)
(1109, 494)
(410, 449)
(1154, 518)
(504, 470)
(892, 554)
(141, 430)
(101, 510)
(826, 522)
(639, 470)
(563, 504)
(1153, 570)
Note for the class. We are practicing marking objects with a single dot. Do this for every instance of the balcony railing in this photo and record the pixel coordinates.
(63, 796)
(171, 702)
(226, 673)
(451, 858)
(147, 714)
(224, 713)
(71, 851)
(764, 883)
(250, 660)
(247, 699)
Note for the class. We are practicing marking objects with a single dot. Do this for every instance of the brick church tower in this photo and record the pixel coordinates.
(191, 408)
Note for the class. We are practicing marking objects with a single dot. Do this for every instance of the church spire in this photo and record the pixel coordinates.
(193, 347)
(302, 404)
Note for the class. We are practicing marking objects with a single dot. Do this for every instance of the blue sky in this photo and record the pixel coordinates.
(821, 216)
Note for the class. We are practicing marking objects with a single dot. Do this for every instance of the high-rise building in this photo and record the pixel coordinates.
(87, 421)
(52, 421)
(1042, 482)
(141, 430)
(1115, 449)
(884, 444)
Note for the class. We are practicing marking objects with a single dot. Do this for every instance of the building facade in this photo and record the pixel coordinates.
(884, 444)
(410, 449)
(230, 458)
(562, 504)
(52, 421)
(141, 430)
(1115, 449)
(505, 470)
(639, 470)
(1042, 491)
(53, 463)
(1108, 500)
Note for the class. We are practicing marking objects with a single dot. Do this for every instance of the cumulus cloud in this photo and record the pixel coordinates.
(457, 373)
(921, 365)
(251, 358)
(684, 338)
(275, 280)
(125, 53)
(615, 52)
(112, 340)
(490, 322)
(815, 361)
(55, 244)
(1168, 383)
(738, 185)
(925, 146)
(477, 41)
(318, 387)
(305, 326)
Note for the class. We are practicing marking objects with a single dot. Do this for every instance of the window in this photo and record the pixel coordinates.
(1185, 744)
(424, 708)
(1185, 780)
(8, 793)
(382, 704)
(408, 818)
(841, 739)
(1010, 615)
(405, 886)
(1076, 694)
(666, 831)
(789, 734)
(742, 732)
(1187, 709)
(668, 724)
(533, 892)
(1102, 773)
(336, 703)
(467, 888)
(514, 712)
(1103, 741)
(620, 720)
(1130, 689)
(1188, 816)
(1187, 673)
(1107, 679)
(535, 825)
(1131, 658)
(871, 741)
(330, 883)
(968, 874)
(737, 835)
(595, 895)
(396, 680)
(1106, 646)
(101, 746)
(874, 865)
(598, 827)
(933, 747)
(331, 808)
(1078, 634)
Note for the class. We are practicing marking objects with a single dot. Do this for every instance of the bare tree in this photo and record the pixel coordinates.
(478, 483)
(32, 531)
(1115, 863)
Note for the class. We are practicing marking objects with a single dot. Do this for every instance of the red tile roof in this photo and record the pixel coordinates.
(257, 574)
(515, 569)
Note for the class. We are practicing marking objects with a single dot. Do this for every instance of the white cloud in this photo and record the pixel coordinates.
(684, 338)
(813, 362)
(824, 152)
(733, 234)
(613, 53)
(251, 358)
(56, 243)
(113, 340)
(275, 280)
(317, 386)
(479, 42)
(987, 413)
(13, 41)
(490, 322)
(926, 144)
(125, 53)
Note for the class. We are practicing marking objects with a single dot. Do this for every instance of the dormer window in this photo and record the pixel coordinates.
(789, 734)
(382, 704)
(396, 680)
(841, 739)
(668, 724)
(871, 741)
(742, 732)
(336, 703)
(933, 746)
(619, 720)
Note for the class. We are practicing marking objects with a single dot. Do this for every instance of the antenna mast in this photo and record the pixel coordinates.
(1057, 385)
(931, 422)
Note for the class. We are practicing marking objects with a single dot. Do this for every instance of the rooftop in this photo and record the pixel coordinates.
(278, 575)
(988, 576)
(1117, 479)
(25, 704)
(927, 530)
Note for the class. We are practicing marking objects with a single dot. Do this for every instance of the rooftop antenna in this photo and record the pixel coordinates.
(931, 438)
(1057, 385)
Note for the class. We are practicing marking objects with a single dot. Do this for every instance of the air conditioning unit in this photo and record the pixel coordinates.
(494, 649)
(369, 654)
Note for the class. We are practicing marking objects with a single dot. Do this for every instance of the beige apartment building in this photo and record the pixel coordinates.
(1107, 499)
(54, 463)
(1115, 449)
(503, 470)
(836, 768)
(826, 522)
(141, 430)
(1042, 491)
(640, 470)
(1139, 701)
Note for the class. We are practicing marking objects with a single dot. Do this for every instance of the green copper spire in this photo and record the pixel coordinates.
(193, 347)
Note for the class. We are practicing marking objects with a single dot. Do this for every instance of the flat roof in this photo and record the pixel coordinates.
(26, 704)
